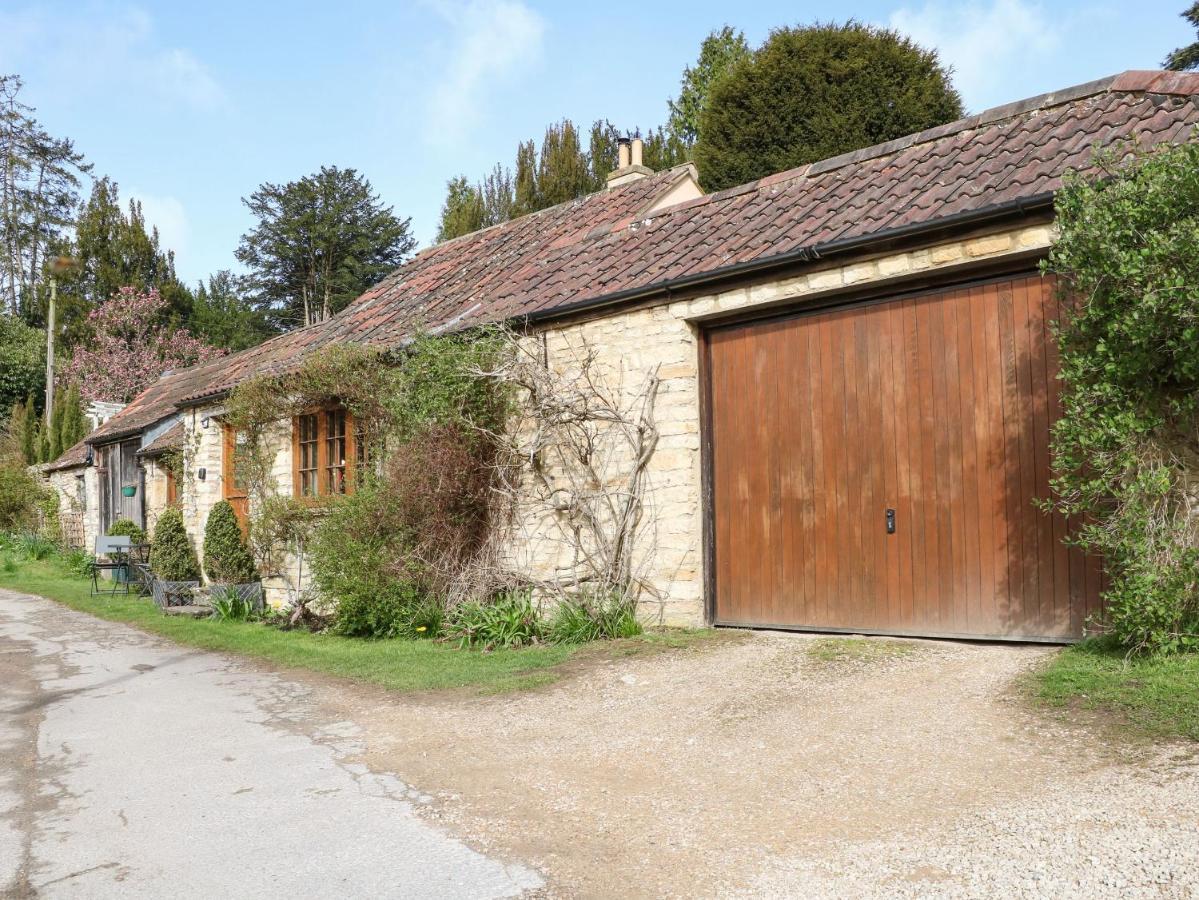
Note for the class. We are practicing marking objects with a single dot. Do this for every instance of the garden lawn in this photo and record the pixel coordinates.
(1154, 696)
(402, 665)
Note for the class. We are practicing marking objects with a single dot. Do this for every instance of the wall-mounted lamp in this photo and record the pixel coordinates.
(202, 473)
(204, 422)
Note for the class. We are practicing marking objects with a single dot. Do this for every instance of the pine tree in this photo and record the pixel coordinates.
(16, 428)
(463, 211)
(41, 453)
(720, 52)
(223, 315)
(603, 152)
(318, 243)
(113, 249)
(1185, 58)
(70, 423)
(563, 172)
(29, 428)
(227, 559)
(39, 183)
(524, 186)
(498, 195)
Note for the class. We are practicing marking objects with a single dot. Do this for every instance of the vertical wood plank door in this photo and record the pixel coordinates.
(875, 468)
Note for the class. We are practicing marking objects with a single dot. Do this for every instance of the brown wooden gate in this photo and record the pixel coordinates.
(874, 468)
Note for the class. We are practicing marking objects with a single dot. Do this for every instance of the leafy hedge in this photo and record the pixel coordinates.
(1126, 450)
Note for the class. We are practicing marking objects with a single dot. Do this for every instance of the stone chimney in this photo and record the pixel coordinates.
(629, 167)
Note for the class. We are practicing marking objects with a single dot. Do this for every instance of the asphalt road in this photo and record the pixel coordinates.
(131, 767)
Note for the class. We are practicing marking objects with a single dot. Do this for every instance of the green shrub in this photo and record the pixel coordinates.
(353, 554)
(226, 557)
(34, 546)
(21, 494)
(585, 618)
(510, 620)
(229, 606)
(1126, 451)
(426, 619)
(77, 563)
(171, 555)
(127, 528)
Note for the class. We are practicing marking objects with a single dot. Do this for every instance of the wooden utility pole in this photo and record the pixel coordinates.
(50, 355)
(59, 266)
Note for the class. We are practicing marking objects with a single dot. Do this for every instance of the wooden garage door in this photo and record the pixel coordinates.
(874, 468)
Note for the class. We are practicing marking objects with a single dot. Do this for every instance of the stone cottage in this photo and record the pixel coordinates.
(857, 373)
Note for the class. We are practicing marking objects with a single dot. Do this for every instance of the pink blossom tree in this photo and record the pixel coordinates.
(128, 347)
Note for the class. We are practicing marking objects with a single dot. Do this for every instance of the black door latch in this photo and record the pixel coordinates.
(890, 521)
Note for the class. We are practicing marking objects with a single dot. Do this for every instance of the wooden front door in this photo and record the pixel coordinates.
(233, 486)
(874, 468)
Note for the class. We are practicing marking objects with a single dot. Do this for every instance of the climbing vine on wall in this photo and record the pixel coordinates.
(1126, 450)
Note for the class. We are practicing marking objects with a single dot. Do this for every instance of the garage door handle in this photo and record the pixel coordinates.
(890, 521)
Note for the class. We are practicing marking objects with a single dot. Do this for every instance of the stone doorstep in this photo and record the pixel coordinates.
(191, 610)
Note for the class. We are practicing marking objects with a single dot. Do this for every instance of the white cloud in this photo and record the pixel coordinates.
(490, 42)
(166, 213)
(986, 43)
(102, 50)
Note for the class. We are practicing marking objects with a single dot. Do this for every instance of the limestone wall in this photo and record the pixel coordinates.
(629, 344)
(668, 336)
(78, 490)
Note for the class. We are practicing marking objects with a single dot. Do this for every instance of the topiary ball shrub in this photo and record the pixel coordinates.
(127, 528)
(227, 559)
(171, 556)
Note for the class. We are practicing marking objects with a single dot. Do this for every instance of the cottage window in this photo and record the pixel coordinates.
(335, 451)
(325, 452)
(308, 464)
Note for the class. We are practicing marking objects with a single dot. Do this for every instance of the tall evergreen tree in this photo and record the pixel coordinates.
(318, 243)
(1185, 58)
(29, 429)
(113, 249)
(602, 155)
(720, 52)
(524, 182)
(499, 197)
(463, 211)
(223, 316)
(563, 172)
(39, 185)
(811, 93)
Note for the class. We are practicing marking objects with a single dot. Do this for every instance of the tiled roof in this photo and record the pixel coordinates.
(159, 400)
(171, 439)
(70, 458)
(604, 246)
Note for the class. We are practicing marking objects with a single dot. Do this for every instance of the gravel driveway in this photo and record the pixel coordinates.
(747, 766)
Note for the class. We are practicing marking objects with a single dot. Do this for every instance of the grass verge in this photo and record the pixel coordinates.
(400, 665)
(1155, 697)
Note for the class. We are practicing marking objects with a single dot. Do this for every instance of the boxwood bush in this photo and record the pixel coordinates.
(227, 559)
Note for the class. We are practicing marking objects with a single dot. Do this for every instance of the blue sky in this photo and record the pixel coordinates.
(190, 106)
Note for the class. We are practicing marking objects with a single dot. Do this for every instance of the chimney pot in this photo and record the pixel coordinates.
(637, 148)
(622, 153)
